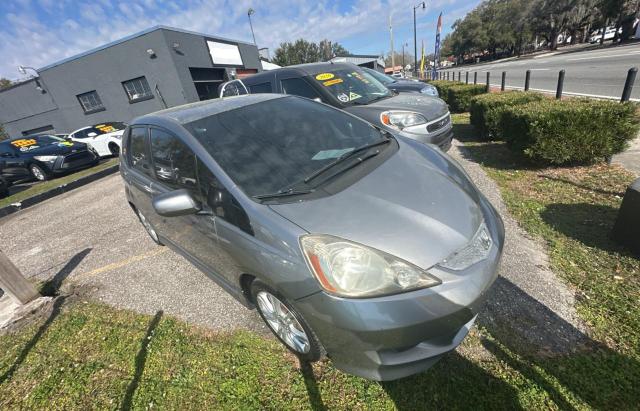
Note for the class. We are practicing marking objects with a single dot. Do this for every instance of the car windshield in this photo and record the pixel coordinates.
(273, 145)
(352, 86)
(35, 142)
(383, 78)
(106, 128)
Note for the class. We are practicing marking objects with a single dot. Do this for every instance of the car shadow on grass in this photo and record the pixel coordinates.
(540, 346)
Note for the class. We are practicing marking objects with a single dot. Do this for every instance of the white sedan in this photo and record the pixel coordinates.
(105, 138)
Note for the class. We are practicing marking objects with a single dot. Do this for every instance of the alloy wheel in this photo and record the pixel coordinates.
(147, 226)
(37, 173)
(283, 322)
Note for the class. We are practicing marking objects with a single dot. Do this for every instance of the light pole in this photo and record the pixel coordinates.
(405, 44)
(249, 13)
(415, 40)
(23, 71)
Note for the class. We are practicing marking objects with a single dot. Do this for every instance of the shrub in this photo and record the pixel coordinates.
(486, 109)
(459, 96)
(570, 131)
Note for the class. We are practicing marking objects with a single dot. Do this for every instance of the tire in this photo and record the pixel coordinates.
(148, 228)
(38, 173)
(114, 149)
(289, 326)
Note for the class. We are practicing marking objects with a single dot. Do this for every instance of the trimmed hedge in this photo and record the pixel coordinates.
(459, 96)
(575, 131)
(486, 109)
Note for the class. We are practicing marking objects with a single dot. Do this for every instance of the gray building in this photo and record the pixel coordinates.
(145, 72)
(362, 60)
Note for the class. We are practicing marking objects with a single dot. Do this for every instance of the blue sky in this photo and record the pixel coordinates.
(38, 32)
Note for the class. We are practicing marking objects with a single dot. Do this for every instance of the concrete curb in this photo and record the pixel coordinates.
(38, 198)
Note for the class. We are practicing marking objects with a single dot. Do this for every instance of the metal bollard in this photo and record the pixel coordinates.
(467, 76)
(503, 84)
(560, 84)
(628, 84)
(488, 82)
(447, 76)
(475, 77)
(527, 80)
(459, 76)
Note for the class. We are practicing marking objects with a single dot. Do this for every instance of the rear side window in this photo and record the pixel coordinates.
(137, 153)
(173, 162)
(261, 88)
(299, 87)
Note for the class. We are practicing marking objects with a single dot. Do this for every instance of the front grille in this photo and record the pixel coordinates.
(78, 159)
(438, 124)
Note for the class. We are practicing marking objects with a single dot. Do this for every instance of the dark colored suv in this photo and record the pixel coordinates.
(346, 86)
(42, 157)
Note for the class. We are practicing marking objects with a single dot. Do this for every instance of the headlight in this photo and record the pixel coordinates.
(477, 250)
(402, 119)
(430, 90)
(348, 269)
(46, 159)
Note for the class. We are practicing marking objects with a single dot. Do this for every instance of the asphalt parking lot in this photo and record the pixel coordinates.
(90, 238)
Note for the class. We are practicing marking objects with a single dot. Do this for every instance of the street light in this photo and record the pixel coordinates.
(23, 70)
(249, 13)
(415, 40)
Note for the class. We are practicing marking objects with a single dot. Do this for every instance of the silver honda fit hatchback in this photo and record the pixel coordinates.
(372, 249)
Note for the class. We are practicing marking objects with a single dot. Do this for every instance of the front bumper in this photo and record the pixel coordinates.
(73, 161)
(387, 338)
(442, 138)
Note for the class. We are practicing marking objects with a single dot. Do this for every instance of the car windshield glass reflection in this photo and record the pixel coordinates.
(352, 86)
(271, 146)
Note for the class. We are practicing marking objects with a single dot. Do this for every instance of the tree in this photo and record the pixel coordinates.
(303, 51)
(5, 82)
(397, 58)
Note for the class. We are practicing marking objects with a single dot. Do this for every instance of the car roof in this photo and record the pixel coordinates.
(307, 69)
(195, 111)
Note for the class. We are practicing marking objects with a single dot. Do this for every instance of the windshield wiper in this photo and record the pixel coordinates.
(282, 193)
(352, 165)
(346, 156)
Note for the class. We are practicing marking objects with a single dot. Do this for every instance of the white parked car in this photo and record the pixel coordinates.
(105, 138)
(609, 34)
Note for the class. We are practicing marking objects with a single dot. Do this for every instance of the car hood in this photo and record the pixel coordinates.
(432, 108)
(419, 206)
(58, 149)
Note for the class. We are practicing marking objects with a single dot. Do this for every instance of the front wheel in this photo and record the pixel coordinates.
(114, 149)
(147, 226)
(38, 173)
(286, 323)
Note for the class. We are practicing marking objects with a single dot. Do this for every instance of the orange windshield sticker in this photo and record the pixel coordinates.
(332, 82)
(23, 142)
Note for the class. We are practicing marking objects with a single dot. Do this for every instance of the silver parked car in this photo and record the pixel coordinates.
(367, 247)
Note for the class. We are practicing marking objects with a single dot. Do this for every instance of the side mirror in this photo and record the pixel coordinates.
(92, 134)
(175, 203)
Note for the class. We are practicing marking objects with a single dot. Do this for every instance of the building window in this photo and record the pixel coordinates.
(90, 102)
(137, 89)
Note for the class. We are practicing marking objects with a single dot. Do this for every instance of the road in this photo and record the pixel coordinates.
(600, 72)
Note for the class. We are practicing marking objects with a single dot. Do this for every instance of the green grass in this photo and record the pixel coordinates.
(93, 356)
(48, 185)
